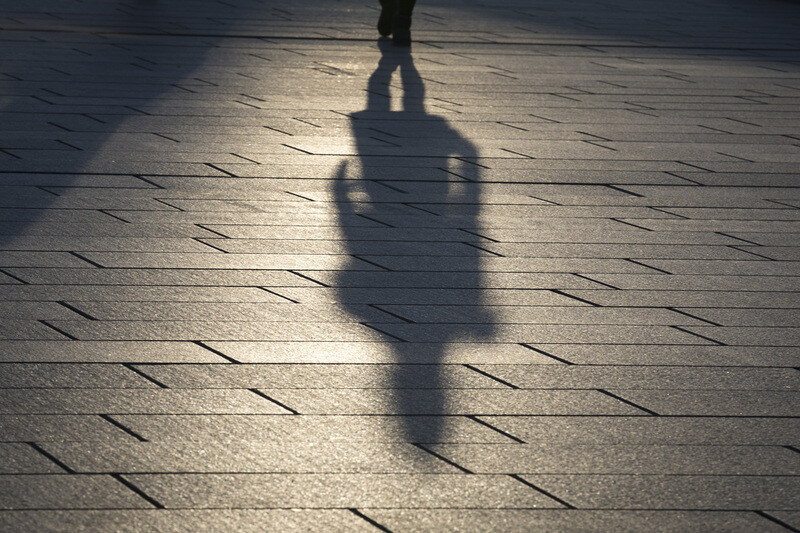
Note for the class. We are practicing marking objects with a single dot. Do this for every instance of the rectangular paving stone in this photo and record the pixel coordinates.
(672, 492)
(658, 297)
(622, 459)
(35, 311)
(263, 491)
(401, 296)
(34, 259)
(24, 375)
(699, 282)
(138, 293)
(158, 277)
(779, 318)
(570, 520)
(379, 352)
(751, 336)
(699, 355)
(306, 376)
(185, 520)
(632, 251)
(678, 430)
(504, 314)
(14, 329)
(506, 264)
(188, 330)
(733, 268)
(308, 428)
(67, 492)
(71, 351)
(109, 401)
(42, 428)
(106, 229)
(646, 377)
(249, 456)
(281, 311)
(545, 333)
(81, 243)
(716, 403)
(440, 402)
(20, 458)
(219, 261)
(444, 280)
(788, 517)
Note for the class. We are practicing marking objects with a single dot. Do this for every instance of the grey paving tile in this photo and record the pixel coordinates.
(35, 311)
(700, 282)
(649, 377)
(733, 268)
(35, 375)
(533, 314)
(39, 259)
(42, 428)
(672, 492)
(218, 261)
(158, 277)
(440, 296)
(379, 352)
(787, 517)
(138, 293)
(569, 520)
(440, 280)
(622, 459)
(108, 401)
(15, 329)
(716, 403)
(109, 244)
(544, 333)
(505, 264)
(689, 430)
(752, 335)
(105, 229)
(265, 491)
(438, 402)
(778, 356)
(777, 253)
(306, 376)
(185, 520)
(658, 297)
(308, 428)
(67, 351)
(749, 317)
(282, 311)
(18, 458)
(631, 251)
(249, 456)
(67, 492)
(187, 330)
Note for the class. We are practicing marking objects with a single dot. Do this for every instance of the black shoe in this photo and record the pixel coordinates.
(388, 10)
(401, 31)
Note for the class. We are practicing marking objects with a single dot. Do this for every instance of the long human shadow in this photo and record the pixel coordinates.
(413, 288)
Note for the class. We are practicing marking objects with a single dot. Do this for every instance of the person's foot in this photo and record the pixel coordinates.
(388, 10)
(401, 31)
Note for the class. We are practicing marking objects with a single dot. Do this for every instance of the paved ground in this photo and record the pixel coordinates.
(261, 271)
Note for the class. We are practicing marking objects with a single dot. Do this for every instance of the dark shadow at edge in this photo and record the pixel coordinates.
(108, 57)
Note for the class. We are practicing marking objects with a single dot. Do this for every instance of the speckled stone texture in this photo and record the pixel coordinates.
(261, 270)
